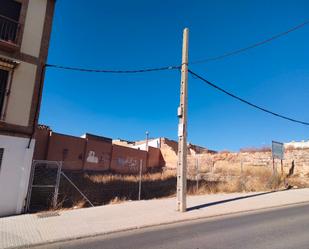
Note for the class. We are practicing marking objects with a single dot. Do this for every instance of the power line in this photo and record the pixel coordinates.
(219, 57)
(241, 50)
(145, 70)
(245, 101)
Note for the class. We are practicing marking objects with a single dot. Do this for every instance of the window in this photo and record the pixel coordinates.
(1, 156)
(9, 20)
(3, 83)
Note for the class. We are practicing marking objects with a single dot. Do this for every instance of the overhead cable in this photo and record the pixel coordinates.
(145, 70)
(241, 50)
(245, 101)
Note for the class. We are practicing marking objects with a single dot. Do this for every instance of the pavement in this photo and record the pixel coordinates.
(283, 227)
(37, 229)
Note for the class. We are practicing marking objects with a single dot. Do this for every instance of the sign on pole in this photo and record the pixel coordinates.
(277, 150)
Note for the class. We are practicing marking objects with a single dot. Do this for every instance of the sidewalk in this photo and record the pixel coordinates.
(25, 230)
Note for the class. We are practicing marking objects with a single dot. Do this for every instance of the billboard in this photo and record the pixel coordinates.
(277, 150)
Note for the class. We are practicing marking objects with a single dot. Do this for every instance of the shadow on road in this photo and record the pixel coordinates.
(228, 200)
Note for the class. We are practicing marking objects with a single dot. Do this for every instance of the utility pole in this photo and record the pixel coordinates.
(182, 129)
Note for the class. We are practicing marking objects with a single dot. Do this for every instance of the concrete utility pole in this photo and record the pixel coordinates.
(182, 129)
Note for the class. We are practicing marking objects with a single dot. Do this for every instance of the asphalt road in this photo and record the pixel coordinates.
(279, 228)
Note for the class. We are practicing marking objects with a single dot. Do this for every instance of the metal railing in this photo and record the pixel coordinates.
(8, 29)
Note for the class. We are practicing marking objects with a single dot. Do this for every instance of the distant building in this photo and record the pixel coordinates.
(25, 27)
(155, 143)
(297, 145)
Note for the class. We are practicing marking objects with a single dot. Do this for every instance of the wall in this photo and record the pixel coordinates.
(14, 173)
(127, 160)
(155, 143)
(41, 146)
(68, 149)
(98, 155)
(301, 145)
(20, 98)
(155, 159)
(33, 29)
(169, 149)
(93, 153)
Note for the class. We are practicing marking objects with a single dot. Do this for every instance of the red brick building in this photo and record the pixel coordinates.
(93, 153)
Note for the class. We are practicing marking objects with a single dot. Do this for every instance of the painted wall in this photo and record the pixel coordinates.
(41, 146)
(127, 160)
(20, 98)
(14, 173)
(98, 155)
(68, 149)
(31, 42)
(92, 153)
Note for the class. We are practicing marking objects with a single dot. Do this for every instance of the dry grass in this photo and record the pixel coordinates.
(110, 188)
(107, 178)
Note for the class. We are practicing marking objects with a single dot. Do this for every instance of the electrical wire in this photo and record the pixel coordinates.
(219, 57)
(113, 71)
(241, 50)
(245, 101)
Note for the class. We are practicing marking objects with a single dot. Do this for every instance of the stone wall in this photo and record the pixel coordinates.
(209, 161)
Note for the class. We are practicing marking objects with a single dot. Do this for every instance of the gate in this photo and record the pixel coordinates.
(43, 185)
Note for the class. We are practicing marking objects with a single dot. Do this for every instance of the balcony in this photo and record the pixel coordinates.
(9, 30)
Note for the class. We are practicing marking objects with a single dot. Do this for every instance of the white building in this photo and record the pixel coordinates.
(25, 27)
(155, 143)
(298, 145)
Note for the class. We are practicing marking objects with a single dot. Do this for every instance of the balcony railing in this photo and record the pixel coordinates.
(8, 30)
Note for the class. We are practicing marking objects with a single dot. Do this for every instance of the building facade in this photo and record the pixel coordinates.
(25, 27)
(94, 153)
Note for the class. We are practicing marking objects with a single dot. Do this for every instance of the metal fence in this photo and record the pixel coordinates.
(43, 185)
(54, 187)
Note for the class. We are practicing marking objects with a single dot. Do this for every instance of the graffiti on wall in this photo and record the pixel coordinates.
(105, 159)
(93, 158)
(129, 162)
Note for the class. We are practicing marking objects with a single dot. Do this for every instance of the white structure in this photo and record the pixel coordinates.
(155, 143)
(298, 145)
(25, 27)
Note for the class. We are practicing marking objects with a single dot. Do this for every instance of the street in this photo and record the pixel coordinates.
(276, 228)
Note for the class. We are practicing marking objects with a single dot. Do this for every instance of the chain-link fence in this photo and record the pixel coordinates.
(230, 174)
(54, 186)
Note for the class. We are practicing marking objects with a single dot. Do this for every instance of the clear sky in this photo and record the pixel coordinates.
(140, 34)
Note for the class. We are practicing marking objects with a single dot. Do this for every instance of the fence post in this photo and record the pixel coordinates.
(140, 179)
(30, 187)
(197, 173)
(55, 199)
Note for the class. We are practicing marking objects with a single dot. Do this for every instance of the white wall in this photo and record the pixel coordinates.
(31, 42)
(14, 173)
(301, 145)
(151, 143)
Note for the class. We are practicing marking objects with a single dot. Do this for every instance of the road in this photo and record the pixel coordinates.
(276, 228)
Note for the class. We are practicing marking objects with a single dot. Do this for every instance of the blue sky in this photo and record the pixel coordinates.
(139, 34)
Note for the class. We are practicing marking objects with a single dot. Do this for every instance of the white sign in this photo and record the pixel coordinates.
(277, 150)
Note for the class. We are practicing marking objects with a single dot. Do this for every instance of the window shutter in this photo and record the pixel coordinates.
(1, 156)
